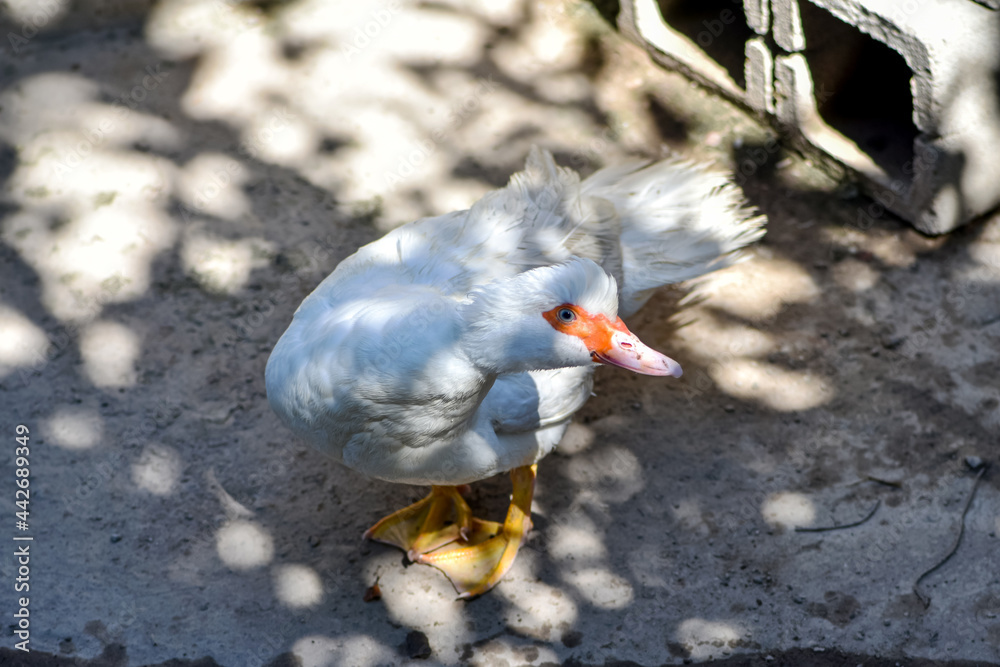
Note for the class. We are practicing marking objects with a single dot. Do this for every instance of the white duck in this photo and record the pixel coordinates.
(459, 346)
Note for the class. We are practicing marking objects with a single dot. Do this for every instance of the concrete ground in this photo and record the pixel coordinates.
(177, 178)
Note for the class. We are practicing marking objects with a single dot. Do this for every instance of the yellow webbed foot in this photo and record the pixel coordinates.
(476, 564)
(440, 530)
(424, 525)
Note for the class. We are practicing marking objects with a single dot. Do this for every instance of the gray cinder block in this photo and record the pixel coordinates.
(759, 76)
(900, 94)
(788, 25)
(758, 14)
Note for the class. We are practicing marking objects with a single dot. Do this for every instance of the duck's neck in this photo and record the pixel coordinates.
(498, 333)
(501, 346)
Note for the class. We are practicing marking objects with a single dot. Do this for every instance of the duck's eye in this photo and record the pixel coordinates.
(566, 315)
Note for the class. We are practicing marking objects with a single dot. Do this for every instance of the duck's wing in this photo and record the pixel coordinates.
(529, 412)
(648, 225)
(563, 222)
(523, 402)
(537, 219)
(678, 221)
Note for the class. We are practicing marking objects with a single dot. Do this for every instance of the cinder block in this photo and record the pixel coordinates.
(900, 94)
(702, 40)
(759, 75)
(788, 25)
(758, 14)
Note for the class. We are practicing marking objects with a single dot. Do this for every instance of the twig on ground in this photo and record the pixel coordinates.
(823, 529)
(887, 482)
(877, 480)
(926, 600)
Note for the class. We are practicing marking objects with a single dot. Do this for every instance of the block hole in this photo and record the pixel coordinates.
(862, 90)
(717, 27)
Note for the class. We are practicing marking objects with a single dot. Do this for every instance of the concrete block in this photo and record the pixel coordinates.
(758, 13)
(788, 25)
(793, 100)
(898, 94)
(759, 75)
(689, 43)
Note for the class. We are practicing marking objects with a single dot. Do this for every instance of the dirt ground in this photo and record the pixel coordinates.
(175, 179)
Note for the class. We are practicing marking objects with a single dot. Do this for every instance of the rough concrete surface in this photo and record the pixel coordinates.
(174, 185)
(900, 94)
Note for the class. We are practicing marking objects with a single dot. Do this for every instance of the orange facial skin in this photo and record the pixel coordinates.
(594, 330)
(610, 342)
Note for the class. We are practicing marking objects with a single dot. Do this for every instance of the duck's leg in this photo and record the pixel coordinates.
(477, 568)
(423, 526)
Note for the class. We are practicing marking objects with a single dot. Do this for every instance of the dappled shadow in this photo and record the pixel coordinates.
(175, 185)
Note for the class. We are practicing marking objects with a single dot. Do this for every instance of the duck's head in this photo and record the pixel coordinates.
(555, 317)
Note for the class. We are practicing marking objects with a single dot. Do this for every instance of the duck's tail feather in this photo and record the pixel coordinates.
(678, 221)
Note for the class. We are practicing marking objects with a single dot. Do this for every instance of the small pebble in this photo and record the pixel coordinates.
(974, 462)
(730, 408)
(115, 538)
(372, 593)
(893, 341)
(417, 646)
